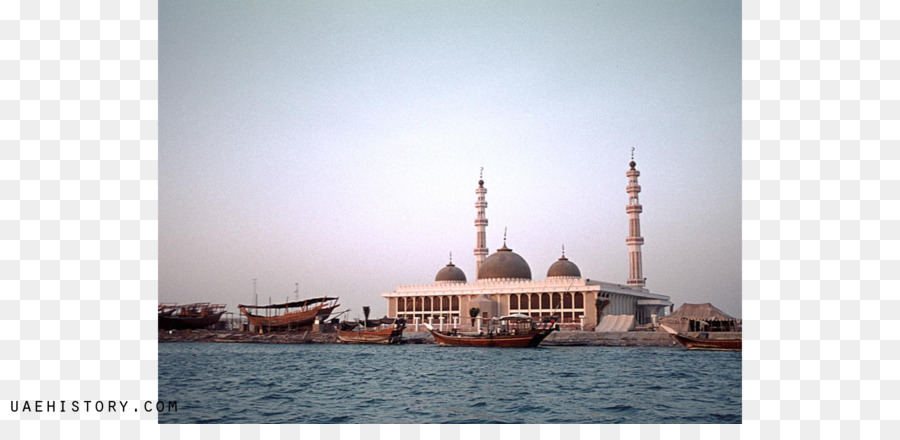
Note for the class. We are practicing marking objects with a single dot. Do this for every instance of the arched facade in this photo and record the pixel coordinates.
(430, 306)
(572, 301)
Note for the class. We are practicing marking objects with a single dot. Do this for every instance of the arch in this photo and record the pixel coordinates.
(567, 300)
(535, 301)
(427, 304)
(514, 302)
(579, 300)
(445, 303)
(525, 301)
(418, 303)
(455, 302)
(556, 301)
(545, 301)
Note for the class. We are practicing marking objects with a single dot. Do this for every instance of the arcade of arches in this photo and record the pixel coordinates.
(568, 306)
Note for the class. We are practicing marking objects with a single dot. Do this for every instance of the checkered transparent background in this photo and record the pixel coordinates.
(821, 198)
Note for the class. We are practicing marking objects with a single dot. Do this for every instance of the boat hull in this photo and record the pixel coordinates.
(691, 343)
(388, 336)
(168, 322)
(530, 339)
(300, 320)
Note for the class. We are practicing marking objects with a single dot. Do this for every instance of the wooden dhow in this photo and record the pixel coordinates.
(295, 315)
(512, 331)
(724, 341)
(188, 316)
(384, 333)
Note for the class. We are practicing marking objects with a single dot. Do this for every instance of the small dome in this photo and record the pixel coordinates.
(450, 273)
(563, 268)
(504, 264)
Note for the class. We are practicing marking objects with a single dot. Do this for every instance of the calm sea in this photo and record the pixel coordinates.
(332, 383)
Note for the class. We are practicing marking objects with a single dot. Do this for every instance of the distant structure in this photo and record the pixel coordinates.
(481, 222)
(634, 240)
(503, 283)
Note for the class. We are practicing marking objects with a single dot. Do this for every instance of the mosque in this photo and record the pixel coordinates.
(504, 285)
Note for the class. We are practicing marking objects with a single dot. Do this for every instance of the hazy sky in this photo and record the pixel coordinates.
(338, 144)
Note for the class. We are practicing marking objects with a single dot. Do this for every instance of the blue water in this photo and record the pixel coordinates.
(333, 383)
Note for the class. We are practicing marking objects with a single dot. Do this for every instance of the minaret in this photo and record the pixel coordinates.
(481, 223)
(634, 240)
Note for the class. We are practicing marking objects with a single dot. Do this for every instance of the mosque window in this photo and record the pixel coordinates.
(427, 307)
(514, 302)
(556, 301)
(524, 301)
(545, 301)
(579, 300)
(445, 303)
(418, 304)
(535, 301)
(455, 303)
(567, 300)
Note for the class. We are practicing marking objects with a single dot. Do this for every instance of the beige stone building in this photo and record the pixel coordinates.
(504, 284)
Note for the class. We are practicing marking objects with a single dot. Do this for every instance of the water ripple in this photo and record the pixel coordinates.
(250, 383)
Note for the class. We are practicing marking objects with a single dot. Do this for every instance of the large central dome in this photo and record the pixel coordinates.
(504, 264)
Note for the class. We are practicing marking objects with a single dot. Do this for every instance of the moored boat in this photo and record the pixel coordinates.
(359, 334)
(188, 316)
(725, 341)
(511, 331)
(296, 315)
(704, 342)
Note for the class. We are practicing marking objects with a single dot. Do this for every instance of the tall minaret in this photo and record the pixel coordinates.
(481, 223)
(634, 240)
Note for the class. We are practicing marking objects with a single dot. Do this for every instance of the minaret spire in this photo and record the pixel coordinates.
(634, 240)
(481, 223)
